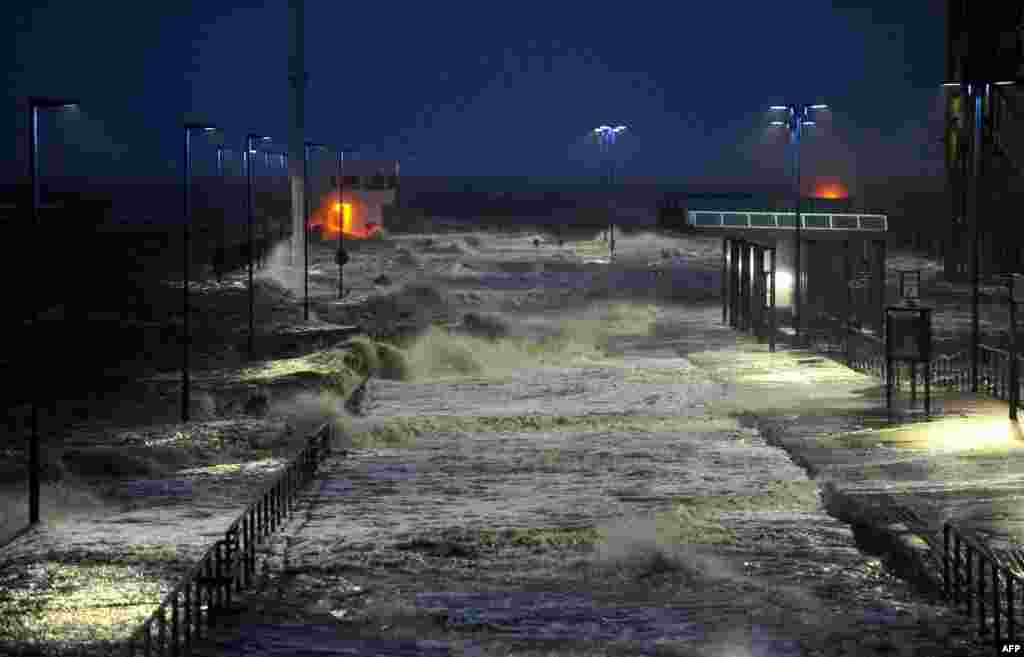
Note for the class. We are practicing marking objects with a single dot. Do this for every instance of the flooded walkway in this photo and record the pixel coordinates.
(625, 504)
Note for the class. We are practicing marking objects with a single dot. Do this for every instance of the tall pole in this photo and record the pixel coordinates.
(185, 378)
(249, 250)
(611, 196)
(341, 226)
(186, 340)
(305, 233)
(34, 105)
(33, 452)
(798, 117)
(296, 137)
(606, 139)
(221, 237)
(797, 234)
(975, 113)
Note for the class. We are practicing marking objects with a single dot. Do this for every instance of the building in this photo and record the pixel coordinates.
(368, 191)
(985, 42)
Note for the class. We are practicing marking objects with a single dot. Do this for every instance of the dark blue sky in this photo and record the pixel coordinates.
(492, 88)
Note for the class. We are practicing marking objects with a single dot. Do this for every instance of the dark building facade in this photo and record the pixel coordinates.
(985, 42)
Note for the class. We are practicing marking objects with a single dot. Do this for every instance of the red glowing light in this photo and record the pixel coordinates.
(351, 221)
(831, 190)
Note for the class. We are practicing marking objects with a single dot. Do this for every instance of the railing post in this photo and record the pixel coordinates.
(246, 525)
(945, 561)
(1014, 365)
(230, 552)
(1004, 377)
(1010, 620)
(272, 511)
(174, 625)
(218, 572)
(280, 502)
(996, 624)
(956, 568)
(188, 617)
(162, 617)
(968, 576)
(197, 611)
(263, 519)
(725, 278)
(981, 595)
(209, 592)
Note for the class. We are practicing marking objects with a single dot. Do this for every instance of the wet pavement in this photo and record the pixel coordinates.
(648, 514)
(680, 492)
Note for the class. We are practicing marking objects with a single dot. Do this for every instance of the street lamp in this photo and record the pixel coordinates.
(282, 182)
(220, 262)
(308, 147)
(342, 256)
(35, 104)
(186, 230)
(606, 136)
(799, 116)
(250, 149)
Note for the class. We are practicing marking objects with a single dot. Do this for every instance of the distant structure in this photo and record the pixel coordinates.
(985, 41)
(369, 193)
(673, 208)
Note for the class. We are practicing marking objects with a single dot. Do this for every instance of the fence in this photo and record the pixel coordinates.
(865, 352)
(976, 579)
(226, 568)
(987, 592)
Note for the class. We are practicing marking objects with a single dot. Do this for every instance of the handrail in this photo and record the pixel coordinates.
(217, 570)
(963, 585)
(720, 217)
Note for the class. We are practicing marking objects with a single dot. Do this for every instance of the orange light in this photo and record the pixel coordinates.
(346, 217)
(339, 219)
(831, 190)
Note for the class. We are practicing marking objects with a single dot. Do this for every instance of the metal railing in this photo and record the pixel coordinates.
(187, 613)
(229, 565)
(985, 584)
(977, 582)
(865, 352)
(808, 220)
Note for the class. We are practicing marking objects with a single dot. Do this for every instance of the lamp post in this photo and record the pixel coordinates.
(250, 150)
(308, 147)
(283, 181)
(35, 105)
(799, 116)
(186, 230)
(221, 259)
(342, 255)
(606, 136)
